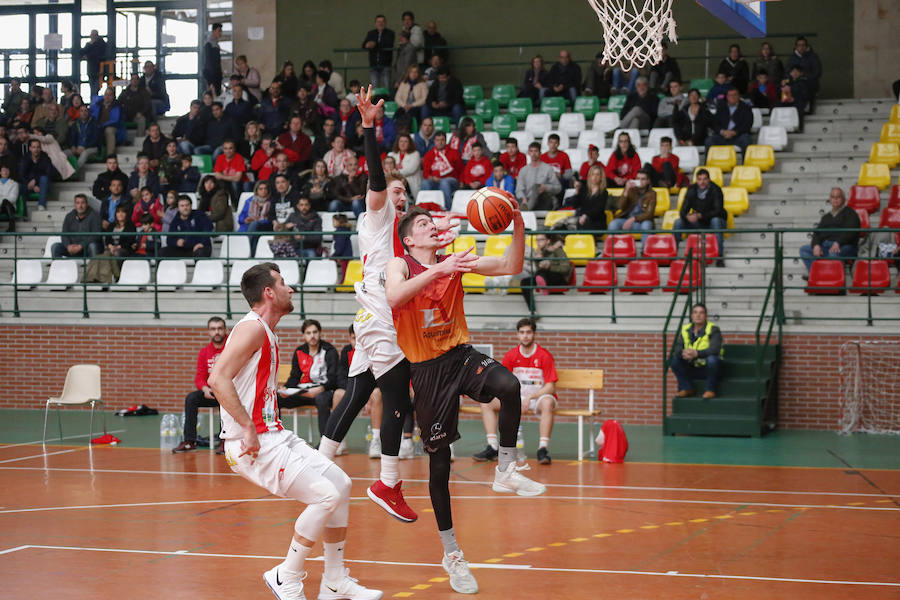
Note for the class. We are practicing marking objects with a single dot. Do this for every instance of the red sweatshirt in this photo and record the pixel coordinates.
(442, 163)
(205, 361)
(513, 166)
(624, 167)
(560, 162)
(477, 170)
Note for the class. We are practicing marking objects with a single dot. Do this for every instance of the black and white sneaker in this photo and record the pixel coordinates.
(285, 585)
(486, 455)
(543, 456)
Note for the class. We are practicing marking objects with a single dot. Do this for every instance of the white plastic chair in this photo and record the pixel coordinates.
(572, 123)
(235, 247)
(63, 273)
(605, 121)
(568, 194)
(563, 140)
(785, 116)
(135, 275)
(171, 273)
(774, 136)
(82, 387)
(461, 201)
(430, 197)
(591, 136)
(634, 134)
(28, 272)
(577, 156)
(238, 268)
(320, 275)
(195, 200)
(646, 154)
(528, 217)
(523, 138)
(208, 274)
(492, 139)
(263, 250)
(657, 133)
(290, 272)
(48, 247)
(537, 124)
(688, 157)
(757, 119)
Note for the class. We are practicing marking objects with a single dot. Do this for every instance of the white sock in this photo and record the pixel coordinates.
(544, 443)
(390, 470)
(296, 557)
(492, 441)
(328, 447)
(334, 561)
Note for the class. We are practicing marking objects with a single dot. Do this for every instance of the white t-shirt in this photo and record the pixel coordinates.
(377, 234)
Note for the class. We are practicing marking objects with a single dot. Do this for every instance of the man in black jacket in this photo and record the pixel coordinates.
(81, 219)
(731, 123)
(219, 128)
(445, 97)
(564, 78)
(833, 244)
(100, 189)
(155, 83)
(314, 370)
(190, 131)
(380, 44)
(212, 60)
(35, 173)
(703, 208)
(94, 53)
(640, 108)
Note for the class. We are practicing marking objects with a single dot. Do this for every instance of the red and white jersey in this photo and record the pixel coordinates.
(378, 244)
(256, 384)
(532, 371)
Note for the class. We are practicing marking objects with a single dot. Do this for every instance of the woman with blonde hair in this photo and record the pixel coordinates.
(411, 96)
(590, 200)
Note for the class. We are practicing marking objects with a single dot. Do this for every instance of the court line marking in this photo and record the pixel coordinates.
(486, 497)
(472, 482)
(482, 566)
(42, 455)
(68, 437)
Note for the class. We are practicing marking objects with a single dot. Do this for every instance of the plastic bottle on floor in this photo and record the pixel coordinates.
(521, 457)
(418, 447)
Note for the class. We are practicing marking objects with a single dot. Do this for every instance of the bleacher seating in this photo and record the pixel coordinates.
(736, 200)
(657, 133)
(749, 178)
(826, 276)
(63, 273)
(890, 133)
(520, 108)
(579, 248)
(759, 156)
(888, 154)
(688, 157)
(553, 106)
(715, 175)
(703, 245)
(599, 277)
(572, 124)
(864, 197)
(27, 273)
(774, 136)
(135, 275)
(633, 134)
(785, 116)
(691, 279)
(876, 174)
(660, 247)
(620, 246)
(504, 124)
(290, 271)
(487, 109)
(171, 274)
(563, 140)
(235, 247)
(471, 95)
(321, 275)
(208, 274)
(476, 119)
(890, 217)
(587, 106)
(723, 157)
(641, 276)
(605, 122)
(537, 124)
(503, 93)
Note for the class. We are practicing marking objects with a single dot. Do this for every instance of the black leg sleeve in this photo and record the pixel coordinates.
(394, 386)
(439, 487)
(192, 403)
(500, 383)
(323, 406)
(359, 388)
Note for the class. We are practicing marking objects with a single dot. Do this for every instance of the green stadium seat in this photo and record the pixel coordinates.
(587, 105)
(703, 85)
(479, 122)
(390, 108)
(472, 94)
(503, 94)
(504, 124)
(520, 108)
(441, 124)
(381, 92)
(203, 162)
(616, 103)
(553, 106)
(414, 126)
(487, 109)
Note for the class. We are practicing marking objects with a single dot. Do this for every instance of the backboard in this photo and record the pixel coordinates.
(745, 16)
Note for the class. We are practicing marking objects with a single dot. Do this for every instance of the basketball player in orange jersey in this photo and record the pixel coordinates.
(426, 295)
(260, 450)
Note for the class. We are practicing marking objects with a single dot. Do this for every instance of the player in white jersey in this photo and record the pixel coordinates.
(259, 449)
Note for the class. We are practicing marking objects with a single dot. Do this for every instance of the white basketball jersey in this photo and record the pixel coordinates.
(377, 246)
(256, 384)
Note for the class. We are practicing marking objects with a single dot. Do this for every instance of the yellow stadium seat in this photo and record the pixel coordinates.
(875, 174)
(888, 154)
(747, 177)
(681, 194)
(555, 216)
(890, 133)
(723, 157)
(579, 248)
(609, 216)
(669, 219)
(354, 273)
(663, 201)
(496, 245)
(736, 200)
(473, 283)
(759, 156)
(715, 175)
(729, 224)
(462, 242)
(531, 242)
(895, 114)
(616, 191)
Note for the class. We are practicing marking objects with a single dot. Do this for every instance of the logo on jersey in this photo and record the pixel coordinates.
(433, 317)
(436, 433)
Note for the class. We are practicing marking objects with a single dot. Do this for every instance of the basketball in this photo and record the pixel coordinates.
(490, 210)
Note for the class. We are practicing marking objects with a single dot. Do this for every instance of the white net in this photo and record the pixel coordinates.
(870, 386)
(633, 30)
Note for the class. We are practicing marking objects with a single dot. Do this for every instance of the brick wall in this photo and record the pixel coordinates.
(155, 366)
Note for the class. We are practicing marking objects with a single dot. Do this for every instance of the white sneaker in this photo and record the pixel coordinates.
(512, 480)
(283, 586)
(346, 588)
(375, 447)
(41, 207)
(341, 449)
(406, 449)
(461, 579)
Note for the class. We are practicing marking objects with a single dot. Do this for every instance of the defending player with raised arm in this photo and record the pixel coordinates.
(426, 295)
(260, 450)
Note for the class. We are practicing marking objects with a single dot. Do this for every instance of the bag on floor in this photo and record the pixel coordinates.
(612, 442)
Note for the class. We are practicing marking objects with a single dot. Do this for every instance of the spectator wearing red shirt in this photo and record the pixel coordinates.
(203, 395)
(593, 159)
(441, 169)
(624, 163)
(298, 142)
(534, 367)
(763, 93)
(263, 160)
(478, 169)
(664, 171)
(557, 159)
(148, 204)
(513, 160)
(231, 169)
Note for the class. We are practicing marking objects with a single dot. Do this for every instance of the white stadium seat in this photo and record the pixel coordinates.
(591, 136)
(171, 273)
(320, 275)
(48, 247)
(774, 136)
(235, 247)
(290, 271)
(537, 124)
(492, 139)
(785, 116)
(657, 133)
(135, 274)
(634, 134)
(757, 119)
(207, 275)
(523, 138)
(461, 201)
(435, 197)
(688, 158)
(605, 122)
(238, 268)
(263, 249)
(63, 273)
(563, 140)
(572, 123)
(28, 272)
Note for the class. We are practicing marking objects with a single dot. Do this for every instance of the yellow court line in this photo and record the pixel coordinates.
(534, 549)
(420, 586)
(512, 554)
(493, 560)
(649, 526)
(438, 579)
(403, 594)
(602, 535)
(556, 544)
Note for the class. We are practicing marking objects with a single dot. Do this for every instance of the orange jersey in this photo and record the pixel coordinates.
(433, 322)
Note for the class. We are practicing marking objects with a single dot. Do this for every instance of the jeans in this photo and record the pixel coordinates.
(685, 372)
(455, 113)
(358, 206)
(322, 402)
(43, 184)
(91, 249)
(618, 79)
(204, 251)
(192, 403)
(741, 141)
(806, 252)
(254, 227)
(714, 223)
(643, 226)
(380, 76)
(447, 185)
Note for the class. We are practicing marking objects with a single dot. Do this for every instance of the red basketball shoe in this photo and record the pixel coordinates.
(391, 500)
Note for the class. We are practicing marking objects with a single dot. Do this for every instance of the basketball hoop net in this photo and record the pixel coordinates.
(633, 30)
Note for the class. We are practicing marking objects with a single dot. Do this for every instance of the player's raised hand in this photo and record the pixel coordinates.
(366, 109)
(460, 262)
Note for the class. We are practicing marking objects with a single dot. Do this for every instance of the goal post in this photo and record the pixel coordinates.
(870, 386)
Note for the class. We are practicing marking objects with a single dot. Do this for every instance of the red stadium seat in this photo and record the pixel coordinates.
(890, 217)
(826, 276)
(624, 248)
(691, 280)
(863, 220)
(871, 277)
(865, 197)
(599, 277)
(641, 277)
(561, 290)
(662, 247)
(894, 201)
(712, 246)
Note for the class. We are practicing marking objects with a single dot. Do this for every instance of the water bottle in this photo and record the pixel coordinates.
(163, 431)
(520, 447)
(368, 434)
(418, 447)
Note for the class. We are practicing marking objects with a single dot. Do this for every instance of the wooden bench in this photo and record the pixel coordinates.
(570, 379)
(284, 371)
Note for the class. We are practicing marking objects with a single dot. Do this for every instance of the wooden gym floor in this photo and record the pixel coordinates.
(141, 523)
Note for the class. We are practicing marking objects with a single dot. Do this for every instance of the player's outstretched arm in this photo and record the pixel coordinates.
(245, 339)
(511, 261)
(377, 195)
(400, 288)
